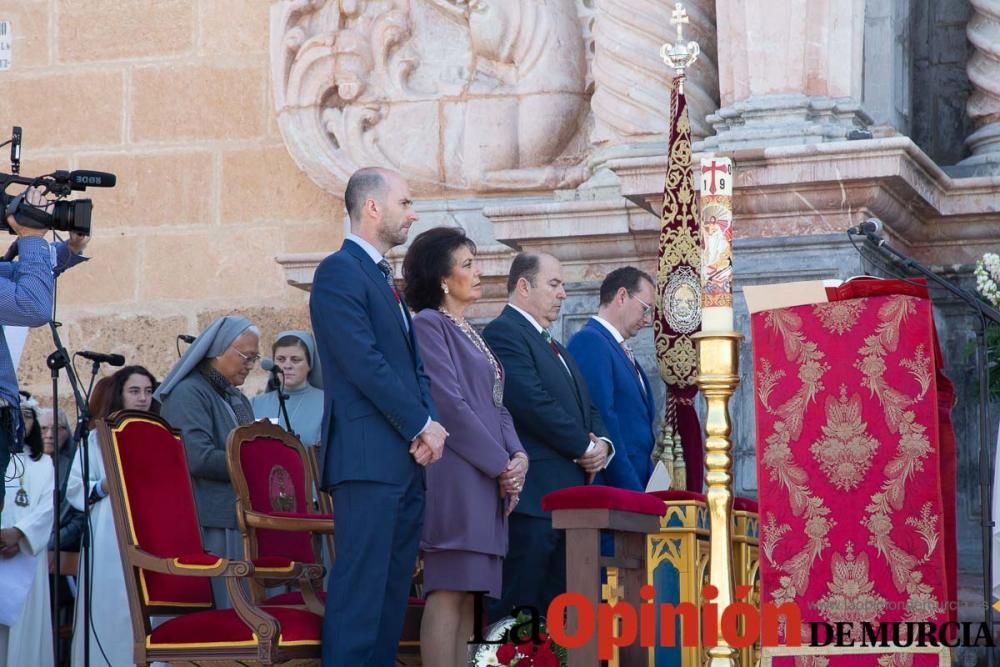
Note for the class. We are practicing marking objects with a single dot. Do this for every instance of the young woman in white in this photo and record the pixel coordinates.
(131, 388)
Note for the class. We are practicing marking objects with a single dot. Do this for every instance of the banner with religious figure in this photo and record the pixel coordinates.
(856, 466)
(678, 304)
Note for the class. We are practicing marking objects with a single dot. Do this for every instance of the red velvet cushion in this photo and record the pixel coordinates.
(204, 559)
(602, 497)
(273, 563)
(745, 505)
(677, 495)
(273, 469)
(223, 626)
(161, 508)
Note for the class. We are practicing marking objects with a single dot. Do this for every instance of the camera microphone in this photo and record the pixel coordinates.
(101, 358)
(867, 228)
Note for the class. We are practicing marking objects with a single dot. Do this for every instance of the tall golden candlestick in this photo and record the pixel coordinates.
(718, 375)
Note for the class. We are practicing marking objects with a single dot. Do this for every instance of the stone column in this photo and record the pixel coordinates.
(984, 73)
(790, 72)
(631, 102)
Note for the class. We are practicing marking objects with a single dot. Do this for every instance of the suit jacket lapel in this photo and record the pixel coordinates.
(369, 268)
(622, 357)
(544, 351)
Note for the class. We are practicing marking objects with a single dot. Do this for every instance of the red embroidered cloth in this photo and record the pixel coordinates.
(855, 464)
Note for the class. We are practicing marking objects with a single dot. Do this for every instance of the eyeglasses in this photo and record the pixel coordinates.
(647, 309)
(248, 361)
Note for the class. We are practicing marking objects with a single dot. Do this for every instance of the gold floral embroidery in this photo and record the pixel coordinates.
(851, 596)
(766, 381)
(913, 447)
(920, 368)
(770, 535)
(926, 526)
(846, 451)
(839, 316)
(777, 456)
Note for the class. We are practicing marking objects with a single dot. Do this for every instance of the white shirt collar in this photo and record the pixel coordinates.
(367, 247)
(610, 327)
(534, 323)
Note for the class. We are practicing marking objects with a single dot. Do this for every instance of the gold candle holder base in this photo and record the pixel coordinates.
(718, 376)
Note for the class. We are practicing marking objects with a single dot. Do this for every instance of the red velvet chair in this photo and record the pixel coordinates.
(167, 569)
(275, 483)
(274, 476)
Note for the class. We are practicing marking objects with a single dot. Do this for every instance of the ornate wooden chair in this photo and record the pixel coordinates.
(167, 569)
(275, 483)
(274, 476)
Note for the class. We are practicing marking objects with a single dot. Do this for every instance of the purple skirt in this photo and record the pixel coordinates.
(462, 571)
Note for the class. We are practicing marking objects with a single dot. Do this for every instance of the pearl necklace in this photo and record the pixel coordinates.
(481, 345)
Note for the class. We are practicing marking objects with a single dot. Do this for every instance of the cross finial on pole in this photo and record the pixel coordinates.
(678, 18)
(679, 55)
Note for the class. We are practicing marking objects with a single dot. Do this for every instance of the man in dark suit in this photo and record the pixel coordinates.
(619, 386)
(557, 423)
(379, 425)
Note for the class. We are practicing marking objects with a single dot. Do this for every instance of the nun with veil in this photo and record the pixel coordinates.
(294, 354)
(200, 397)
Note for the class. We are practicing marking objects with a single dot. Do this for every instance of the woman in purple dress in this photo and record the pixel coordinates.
(475, 485)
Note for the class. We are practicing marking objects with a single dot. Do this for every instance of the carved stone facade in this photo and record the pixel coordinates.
(466, 96)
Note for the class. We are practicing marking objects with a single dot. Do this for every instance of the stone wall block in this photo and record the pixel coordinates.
(112, 29)
(59, 110)
(230, 27)
(209, 267)
(192, 102)
(29, 23)
(153, 188)
(265, 184)
(109, 277)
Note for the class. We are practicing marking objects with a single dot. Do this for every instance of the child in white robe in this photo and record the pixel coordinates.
(25, 527)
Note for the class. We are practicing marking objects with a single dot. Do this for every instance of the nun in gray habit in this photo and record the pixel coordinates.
(200, 400)
(305, 399)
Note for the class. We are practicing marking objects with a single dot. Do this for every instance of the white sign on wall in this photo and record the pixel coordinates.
(6, 38)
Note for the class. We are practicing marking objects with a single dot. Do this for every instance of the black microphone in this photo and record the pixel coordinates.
(871, 226)
(187, 338)
(101, 358)
(267, 364)
(85, 178)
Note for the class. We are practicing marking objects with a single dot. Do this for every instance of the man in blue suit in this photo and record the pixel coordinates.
(555, 420)
(618, 385)
(379, 427)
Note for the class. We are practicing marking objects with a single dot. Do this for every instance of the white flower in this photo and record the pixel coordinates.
(987, 274)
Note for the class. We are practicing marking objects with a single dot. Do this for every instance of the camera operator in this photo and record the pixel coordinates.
(26, 293)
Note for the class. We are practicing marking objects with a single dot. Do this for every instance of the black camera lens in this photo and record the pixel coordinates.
(72, 216)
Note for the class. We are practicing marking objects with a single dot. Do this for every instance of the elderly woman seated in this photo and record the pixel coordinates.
(200, 397)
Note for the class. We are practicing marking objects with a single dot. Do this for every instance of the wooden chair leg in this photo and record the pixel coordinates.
(583, 575)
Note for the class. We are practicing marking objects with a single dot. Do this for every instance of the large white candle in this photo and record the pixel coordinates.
(717, 245)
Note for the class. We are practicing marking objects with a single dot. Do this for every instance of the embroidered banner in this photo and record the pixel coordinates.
(677, 312)
(856, 464)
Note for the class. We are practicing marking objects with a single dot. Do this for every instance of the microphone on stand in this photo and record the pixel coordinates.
(870, 229)
(866, 228)
(267, 363)
(187, 338)
(101, 358)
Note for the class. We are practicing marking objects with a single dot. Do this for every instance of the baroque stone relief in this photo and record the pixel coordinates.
(458, 95)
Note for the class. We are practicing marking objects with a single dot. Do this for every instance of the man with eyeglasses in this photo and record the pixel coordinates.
(201, 397)
(618, 385)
